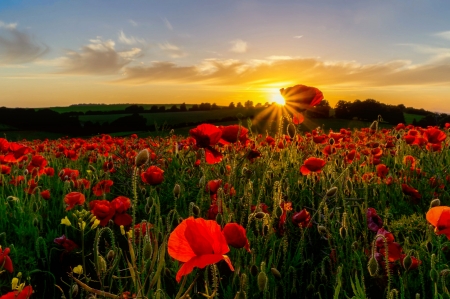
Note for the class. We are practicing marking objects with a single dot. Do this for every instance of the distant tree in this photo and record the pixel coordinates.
(194, 108)
(174, 108)
(162, 109)
(154, 108)
(259, 105)
(183, 107)
(342, 110)
(248, 104)
(215, 107)
(239, 105)
(231, 106)
(205, 106)
(134, 109)
(266, 104)
(322, 110)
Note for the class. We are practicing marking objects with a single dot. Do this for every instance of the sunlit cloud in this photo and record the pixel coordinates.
(298, 36)
(168, 24)
(239, 46)
(97, 58)
(129, 40)
(310, 71)
(172, 50)
(17, 47)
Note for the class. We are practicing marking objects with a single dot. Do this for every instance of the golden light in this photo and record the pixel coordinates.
(278, 99)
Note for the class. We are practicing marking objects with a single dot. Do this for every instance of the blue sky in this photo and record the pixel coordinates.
(57, 53)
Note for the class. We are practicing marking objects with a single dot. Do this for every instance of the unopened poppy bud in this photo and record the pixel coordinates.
(219, 219)
(407, 262)
(260, 215)
(176, 191)
(142, 158)
(417, 296)
(398, 136)
(372, 266)
(150, 201)
(110, 255)
(147, 209)
(195, 210)
(331, 141)
(435, 203)
(147, 251)
(74, 290)
(201, 182)
(343, 232)
(445, 272)
(332, 192)
(101, 264)
(262, 281)
(322, 229)
(434, 275)
(275, 273)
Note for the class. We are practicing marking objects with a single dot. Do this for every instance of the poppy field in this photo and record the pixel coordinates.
(228, 213)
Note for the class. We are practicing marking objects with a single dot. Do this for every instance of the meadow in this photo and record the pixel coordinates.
(226, 212)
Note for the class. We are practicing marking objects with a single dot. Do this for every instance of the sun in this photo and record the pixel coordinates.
(278, 99)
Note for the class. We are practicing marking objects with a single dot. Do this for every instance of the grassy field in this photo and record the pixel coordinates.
(410, 117)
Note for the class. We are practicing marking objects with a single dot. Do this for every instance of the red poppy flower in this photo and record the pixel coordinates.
(407, 190)
(153, 176)
(233, 133)
(68, 174)
(374, 222)
(68, 245)
(121, 205)
(301, 97)
(32, 185)
(24, 294)
(140, 230)
(5, 260)
(103, 210)
(302, 218)
(213, 186)
(17, 153)
(206, 135)
(312, 165)
(439, 217)
(4, 145)
(45, 194)
(102, 187)
(264, 208)
(5, 169)
(49, 171)
(382, 171)
(236, 236)
(298, 118)
(197, 243)
(37, 165)
(434, 135)
(74, 198)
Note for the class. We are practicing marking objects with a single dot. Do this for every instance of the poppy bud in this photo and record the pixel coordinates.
(262, 281)
(331, 192)
(434, 275)
(322, 229)
(150, 201)
(101, 264)
(201, 182)
(74, 290)
(147, 251)
(407, 262)
(279, 212)
(343, 232)
(275, 273)
(445, 272)
(372, 266)
(147, 209)
(435, 203)
(142, 158)
(195, 210)
(219, 219)
(176, 191)
(110, 255)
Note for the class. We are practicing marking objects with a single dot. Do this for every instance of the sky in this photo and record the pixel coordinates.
(63, 52)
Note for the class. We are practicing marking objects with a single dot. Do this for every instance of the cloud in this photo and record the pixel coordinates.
(129, 40)
(172, 50)
(239, 46)
(17, 47)
(443, 34)
(309, 71)
(168, 25)
(298, 36)
(133, 23)
(97, 58)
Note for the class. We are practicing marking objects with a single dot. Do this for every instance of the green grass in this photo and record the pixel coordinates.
(106, 107)
(410, 117)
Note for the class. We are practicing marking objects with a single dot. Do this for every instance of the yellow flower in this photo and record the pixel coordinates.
(14, 283)
(82, 225)
(122, 230)
(66, 221)
(95, 224)
(78, 269)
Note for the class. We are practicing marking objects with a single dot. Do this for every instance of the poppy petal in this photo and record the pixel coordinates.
(434, 214)
(212, 156)
(199, 262)
(178, 246)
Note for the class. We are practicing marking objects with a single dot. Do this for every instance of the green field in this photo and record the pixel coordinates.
(410, 117)
(105, 107)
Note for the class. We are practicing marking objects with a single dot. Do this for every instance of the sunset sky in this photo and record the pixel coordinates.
(58, 53)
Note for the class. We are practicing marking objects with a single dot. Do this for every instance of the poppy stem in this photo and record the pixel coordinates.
(189, 288)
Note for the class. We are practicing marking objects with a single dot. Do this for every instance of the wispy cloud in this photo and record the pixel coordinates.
(129, 40)
(17, 47)
(172, 50)
(298, 36)
(310, 70)
(133, 23)
(97, 58)
(168, 24)
(443, 34)
(239, 46)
